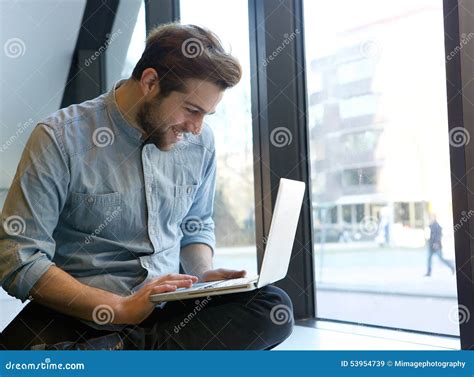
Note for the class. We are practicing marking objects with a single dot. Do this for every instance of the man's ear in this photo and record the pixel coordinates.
(149, 83)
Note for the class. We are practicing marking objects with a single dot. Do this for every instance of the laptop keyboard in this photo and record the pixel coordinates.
(227, 283)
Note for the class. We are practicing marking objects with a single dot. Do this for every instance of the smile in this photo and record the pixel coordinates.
(178, 133)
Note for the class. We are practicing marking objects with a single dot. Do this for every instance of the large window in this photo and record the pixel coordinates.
(380, 163)
(234, 212)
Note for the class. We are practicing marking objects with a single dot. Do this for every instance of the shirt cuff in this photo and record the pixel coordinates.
(21, 284)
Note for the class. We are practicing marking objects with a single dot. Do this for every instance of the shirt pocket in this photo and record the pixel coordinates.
(97, 215)
(182, 202)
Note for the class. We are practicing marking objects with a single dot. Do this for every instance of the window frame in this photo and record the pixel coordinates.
(279, 97)
(460, 97)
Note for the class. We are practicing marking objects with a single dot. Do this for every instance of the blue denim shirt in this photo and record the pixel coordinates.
(91, 198)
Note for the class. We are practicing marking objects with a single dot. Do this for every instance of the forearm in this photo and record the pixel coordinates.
(196, 259)
(59, 291)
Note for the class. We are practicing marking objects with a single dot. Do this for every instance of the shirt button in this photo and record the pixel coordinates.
(90, 200)
(188, 190)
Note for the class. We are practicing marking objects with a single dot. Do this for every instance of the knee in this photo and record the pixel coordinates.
(277, 312)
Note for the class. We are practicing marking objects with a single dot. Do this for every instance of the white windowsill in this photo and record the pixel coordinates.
(336, 336)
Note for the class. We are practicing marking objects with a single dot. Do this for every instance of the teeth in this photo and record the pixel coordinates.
(176, 132)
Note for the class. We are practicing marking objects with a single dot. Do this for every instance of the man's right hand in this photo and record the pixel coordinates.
(137, 307)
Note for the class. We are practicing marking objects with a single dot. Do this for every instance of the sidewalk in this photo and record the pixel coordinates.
(366, 284)
(362, 267)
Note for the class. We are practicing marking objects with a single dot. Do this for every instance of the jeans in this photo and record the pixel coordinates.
(259, 319)
(439, 254)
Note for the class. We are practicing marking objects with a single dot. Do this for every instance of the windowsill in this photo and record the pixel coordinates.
(327, 335)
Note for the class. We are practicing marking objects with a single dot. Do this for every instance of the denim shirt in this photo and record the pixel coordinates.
(90, 197)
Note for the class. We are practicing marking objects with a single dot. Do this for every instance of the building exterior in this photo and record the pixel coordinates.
(378, 124)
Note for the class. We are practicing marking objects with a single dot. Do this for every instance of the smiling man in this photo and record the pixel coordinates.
(110, 196)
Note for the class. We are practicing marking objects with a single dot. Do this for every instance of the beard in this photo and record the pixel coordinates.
(154, 128)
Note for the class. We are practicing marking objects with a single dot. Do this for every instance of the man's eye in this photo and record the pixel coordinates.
(193, 112)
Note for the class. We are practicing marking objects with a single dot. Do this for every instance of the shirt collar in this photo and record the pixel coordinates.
(117, 117)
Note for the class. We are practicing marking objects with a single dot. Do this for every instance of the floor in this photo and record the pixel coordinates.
(336, 336)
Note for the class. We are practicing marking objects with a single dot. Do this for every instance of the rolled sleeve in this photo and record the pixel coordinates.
(31, 211)
(198, 225)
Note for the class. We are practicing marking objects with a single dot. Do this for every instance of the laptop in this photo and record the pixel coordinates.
(277, 254)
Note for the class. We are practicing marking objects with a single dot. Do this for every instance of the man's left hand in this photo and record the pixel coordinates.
(222, 274)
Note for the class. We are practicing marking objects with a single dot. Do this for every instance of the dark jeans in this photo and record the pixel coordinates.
(259, 319)
(439, 254)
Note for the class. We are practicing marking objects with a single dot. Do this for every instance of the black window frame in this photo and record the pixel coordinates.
(279, 99)
(460, 100)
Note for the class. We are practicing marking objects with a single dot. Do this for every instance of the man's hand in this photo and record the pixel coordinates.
(135, 308)
(222, 274)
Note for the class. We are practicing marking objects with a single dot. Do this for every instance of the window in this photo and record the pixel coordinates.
(358, 106)
(379, 103)
(402, 213)
(360, 142)
(360, 212)
(347, 214)
(359, 177)
(316, 113)
(127, 41)
(234, 210)
(137, 43)
(355, 71)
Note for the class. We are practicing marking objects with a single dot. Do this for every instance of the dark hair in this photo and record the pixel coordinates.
(178, 52)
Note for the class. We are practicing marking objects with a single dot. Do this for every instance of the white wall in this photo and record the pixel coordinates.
(34, 71)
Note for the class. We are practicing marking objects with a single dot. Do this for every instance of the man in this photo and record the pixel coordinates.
(435, 245)
(110, 196)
